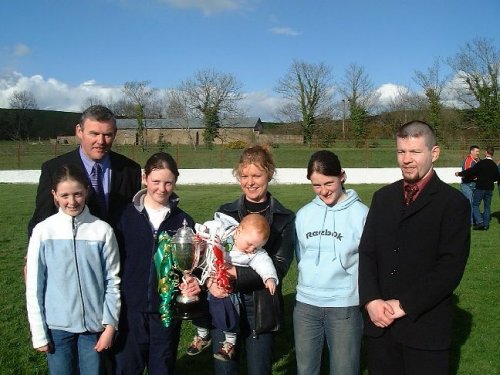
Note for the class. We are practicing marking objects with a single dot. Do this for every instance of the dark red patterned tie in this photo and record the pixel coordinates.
(410, 191)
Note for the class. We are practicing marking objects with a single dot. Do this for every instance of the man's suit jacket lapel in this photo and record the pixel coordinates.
(116, 178)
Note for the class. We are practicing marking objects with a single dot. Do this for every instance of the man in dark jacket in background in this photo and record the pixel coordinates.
(485, 172)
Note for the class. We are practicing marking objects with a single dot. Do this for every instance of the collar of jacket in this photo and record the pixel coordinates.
(424, 198)
(138, 200)
(275, 207)
(82, 217)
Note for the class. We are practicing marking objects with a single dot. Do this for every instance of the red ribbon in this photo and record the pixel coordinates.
(221, 275)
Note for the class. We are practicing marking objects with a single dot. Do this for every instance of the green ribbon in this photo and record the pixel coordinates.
(168, 280)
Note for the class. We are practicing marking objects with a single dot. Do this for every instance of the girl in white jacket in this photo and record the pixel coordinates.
(72, 282)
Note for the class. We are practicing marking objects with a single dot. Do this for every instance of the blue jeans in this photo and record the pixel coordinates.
(74, 353)
(485, 196)
(342, 327)
(468, 190)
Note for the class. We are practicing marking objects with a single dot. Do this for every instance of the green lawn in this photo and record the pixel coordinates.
(30, 155)
(477, 329)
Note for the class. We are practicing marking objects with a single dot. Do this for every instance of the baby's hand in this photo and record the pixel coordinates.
(271, 285)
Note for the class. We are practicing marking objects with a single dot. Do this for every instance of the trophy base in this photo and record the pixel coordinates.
(184, 299)
(190, 311)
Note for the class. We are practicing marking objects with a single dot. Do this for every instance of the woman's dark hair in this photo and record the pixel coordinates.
(69, 172)
(161, 160)
(324, 162)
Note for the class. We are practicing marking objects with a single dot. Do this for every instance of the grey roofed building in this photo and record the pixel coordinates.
(194, 123)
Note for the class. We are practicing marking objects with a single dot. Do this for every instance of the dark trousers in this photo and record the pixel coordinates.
(143, 342)
(387, 357)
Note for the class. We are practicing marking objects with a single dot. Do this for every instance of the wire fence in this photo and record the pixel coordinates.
(371, 153)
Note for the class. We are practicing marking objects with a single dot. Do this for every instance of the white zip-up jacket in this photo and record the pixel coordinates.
(72, 281)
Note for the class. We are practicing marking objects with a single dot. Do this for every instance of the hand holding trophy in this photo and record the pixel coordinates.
(187, 253)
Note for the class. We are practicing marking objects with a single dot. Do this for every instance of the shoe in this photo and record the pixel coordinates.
(479, 227)
(198, 345)
(226, 352)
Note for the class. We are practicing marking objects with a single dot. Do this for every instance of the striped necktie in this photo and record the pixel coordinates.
(96, 181)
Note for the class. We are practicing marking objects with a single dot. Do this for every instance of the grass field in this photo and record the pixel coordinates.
(477, 328)
(30, 155)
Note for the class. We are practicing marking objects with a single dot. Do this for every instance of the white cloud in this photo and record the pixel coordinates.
(389, 91)
(21, 50)
(284, 31)
(262, 104)
(53, 94)
(208, 7)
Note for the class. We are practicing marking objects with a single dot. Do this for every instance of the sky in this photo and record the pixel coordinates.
(66, 51)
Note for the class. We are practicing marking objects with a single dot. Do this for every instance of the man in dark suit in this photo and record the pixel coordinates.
(120, 176)
(412, 256)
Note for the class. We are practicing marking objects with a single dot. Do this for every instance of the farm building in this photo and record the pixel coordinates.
(187, 131)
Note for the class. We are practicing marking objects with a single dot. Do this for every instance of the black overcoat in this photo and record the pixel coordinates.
(415, 254)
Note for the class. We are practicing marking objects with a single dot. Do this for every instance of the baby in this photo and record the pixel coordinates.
(244, 247)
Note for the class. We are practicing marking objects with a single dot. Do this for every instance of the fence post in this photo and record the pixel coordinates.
(18, 152)
(177, 156)
(366, 152)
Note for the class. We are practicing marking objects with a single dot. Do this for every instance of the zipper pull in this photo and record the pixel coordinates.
(73, 224)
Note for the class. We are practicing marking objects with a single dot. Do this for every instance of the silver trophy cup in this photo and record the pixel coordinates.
(187, 249)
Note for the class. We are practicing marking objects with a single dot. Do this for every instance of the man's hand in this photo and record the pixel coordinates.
(381, 313)
(396, 307)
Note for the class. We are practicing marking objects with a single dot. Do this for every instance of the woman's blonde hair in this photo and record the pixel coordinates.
(258, 155)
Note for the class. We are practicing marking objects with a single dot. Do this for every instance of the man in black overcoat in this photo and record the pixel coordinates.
(413, 253)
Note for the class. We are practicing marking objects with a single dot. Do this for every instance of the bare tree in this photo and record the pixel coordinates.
(177, 108)
(139, 94)
(212, 96)
(433, 83)
(308, 91)
(122, 108)
(156, 105)
(405, 105)
(477, 69)
(90, 101)
(23, 99)
(357, 88)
